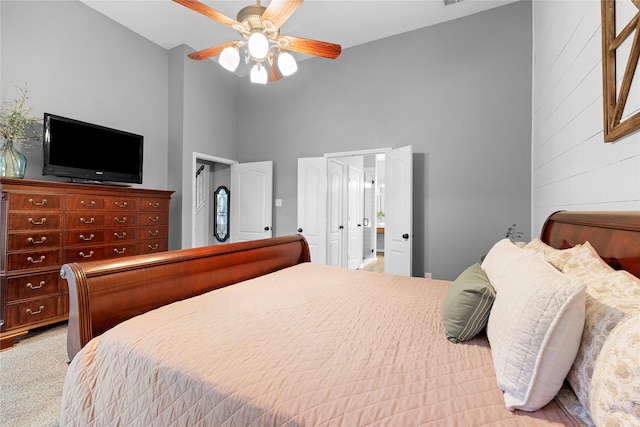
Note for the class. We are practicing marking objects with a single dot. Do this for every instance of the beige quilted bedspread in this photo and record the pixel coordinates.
(310, 345)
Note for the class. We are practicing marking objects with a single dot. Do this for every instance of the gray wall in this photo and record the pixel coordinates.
(203, 119)
(461, 96)
(82, 65)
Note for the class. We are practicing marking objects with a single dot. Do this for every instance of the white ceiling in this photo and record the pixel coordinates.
(348, 23)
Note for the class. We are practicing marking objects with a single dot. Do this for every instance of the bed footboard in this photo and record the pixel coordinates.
(105, 293)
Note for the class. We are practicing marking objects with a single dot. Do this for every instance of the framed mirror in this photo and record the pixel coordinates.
(221, 209)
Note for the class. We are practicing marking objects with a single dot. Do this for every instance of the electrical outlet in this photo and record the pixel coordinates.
(427, 275)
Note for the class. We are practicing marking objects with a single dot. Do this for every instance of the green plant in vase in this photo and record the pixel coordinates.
(15, 119)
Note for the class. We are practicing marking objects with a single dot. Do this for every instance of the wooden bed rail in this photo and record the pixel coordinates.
(105, 293)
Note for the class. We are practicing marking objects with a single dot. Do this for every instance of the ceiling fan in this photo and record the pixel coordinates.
(259, 27)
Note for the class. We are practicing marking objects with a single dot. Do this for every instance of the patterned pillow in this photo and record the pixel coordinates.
(556, 257)
(615, 400)
(534, 330)
(467, 304)
(610, 297)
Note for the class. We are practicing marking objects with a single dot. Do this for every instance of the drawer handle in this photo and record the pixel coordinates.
(37, 242)
(34, 203)
(87, 221)
(33, 261)
(154, 205)
(154, 233)
(119, 252)
(121, 205)
(34, 287)
(120, 236)
(88, 205)
(156, 219)
(86, 239)
(121, 221)
(33, 313)
(154, 247)
(83, 255)
(34, 222)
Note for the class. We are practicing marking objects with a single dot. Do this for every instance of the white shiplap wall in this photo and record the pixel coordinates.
(572, 167)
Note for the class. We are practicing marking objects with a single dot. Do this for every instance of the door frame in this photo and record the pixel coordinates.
(370, 151)
(194, 168)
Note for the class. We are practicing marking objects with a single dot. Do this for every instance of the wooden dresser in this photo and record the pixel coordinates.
(45, 224)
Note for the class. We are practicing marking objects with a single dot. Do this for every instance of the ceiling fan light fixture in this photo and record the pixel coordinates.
(258, 74)
(258, 45)
(229, 58)
(287, 64)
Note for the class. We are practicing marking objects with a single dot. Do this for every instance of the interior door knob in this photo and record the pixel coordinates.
(405, 236)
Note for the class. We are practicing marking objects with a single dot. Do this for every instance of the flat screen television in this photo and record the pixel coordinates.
(89, 152)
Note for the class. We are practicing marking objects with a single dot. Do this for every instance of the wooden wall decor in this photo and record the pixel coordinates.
(615, 99)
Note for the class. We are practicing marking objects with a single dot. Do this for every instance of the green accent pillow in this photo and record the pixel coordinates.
(467, 304)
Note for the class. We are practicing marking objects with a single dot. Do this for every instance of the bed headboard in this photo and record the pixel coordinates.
(615, 235)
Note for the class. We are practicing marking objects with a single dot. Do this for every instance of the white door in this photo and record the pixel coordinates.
(398, 233)
(335, 217)
(202, 207)
(251, 193)
(312, 198)
(355, 215)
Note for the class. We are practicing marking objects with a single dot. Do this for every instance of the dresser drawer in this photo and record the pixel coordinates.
(153, 218)
(121, 204)
(34, 202)
(150, 204)
(122, 250)
(89, 237)
(34, 240)
(35, 220)
(32, 286)
(85, 203)
(84, 220)
(119, 219)
(86, 237)
(34, 259)
(32, 311)
(153, 232)
(151, 246)
(94, 253)
(121, 235)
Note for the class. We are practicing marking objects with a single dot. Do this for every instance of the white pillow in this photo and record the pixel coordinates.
(500, 256)
(534, 330)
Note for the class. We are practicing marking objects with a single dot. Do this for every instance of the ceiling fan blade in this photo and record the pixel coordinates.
(209, 12)
(212, 51)
(311, 47)
(279, 11)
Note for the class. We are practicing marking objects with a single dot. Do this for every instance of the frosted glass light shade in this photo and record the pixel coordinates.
(258, 45)
(258, 75)
(287, 64)
(229, 58)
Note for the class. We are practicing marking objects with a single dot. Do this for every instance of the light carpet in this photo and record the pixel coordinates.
(32, 374)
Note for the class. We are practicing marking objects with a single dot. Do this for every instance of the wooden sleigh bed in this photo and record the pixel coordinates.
(164, 340)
